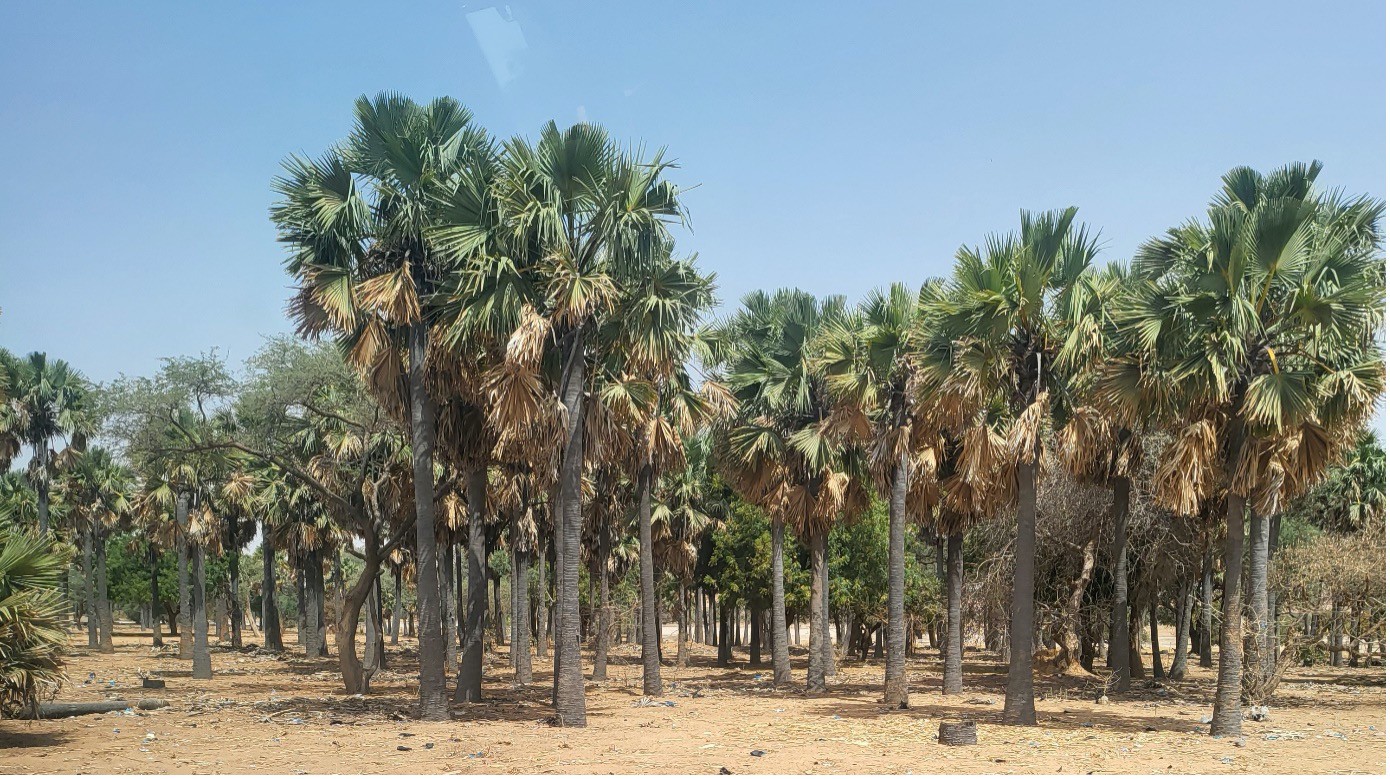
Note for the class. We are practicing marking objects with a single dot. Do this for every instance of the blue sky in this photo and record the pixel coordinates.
(837, 146)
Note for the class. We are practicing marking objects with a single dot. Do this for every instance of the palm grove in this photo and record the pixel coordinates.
(506, 368)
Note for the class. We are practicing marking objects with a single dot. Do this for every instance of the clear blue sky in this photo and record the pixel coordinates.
(837, 146)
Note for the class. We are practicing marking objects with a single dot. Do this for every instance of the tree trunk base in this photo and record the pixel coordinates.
(957, 733)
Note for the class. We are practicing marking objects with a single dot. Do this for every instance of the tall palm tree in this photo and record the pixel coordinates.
(689, 509)
(1002, 314)
(783, 451)
(46, 399)
(101, 491)
(31, 629)
(359, 224)
(581, 220)
(1093, 446)
(869, 367)
(1261, 323)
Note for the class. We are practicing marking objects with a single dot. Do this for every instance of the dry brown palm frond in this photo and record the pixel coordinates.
(720, 403)
(392, 295)
(1026, 433)
(1186, 472)
(526, 345)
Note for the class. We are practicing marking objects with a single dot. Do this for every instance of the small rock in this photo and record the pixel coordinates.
(757, 753)
(724, 771)
(429, 745)
(402, 748)
(1103, 699)
(1240, 742)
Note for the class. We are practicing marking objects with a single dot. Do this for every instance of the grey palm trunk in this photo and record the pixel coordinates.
(815, 668)
(90, 585)
(1204, 618)
(1226, 714)
(185, 597)
(270, 609)
(569, 688)
(1178, 670)
(1018, 696)
(1119, 610)
(651, 622)
(470, 679)
(152, 559)
(895, 667)
(952, 677)
(603, 631)
(521, 610)
(781, 654)
(105, 624)
(202, 659)
(1261, 664)
(434, 702)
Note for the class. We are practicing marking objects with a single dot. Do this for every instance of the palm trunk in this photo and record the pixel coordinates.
(521, 616)
(1260, 666)
(396, 606)
(952, 678)
(1272, 636)
(1225, 718)
(682, 626)
(357, 677)
(202, 659)
(781, 654)
(152, 557)
(434, 701)
(543, 578)
(105, 624)
(1153, 637)
(1178, 670)
(603, 631)
(234, 582)
(827, 645)
(1204, 620)
(41, 453)
(315, 638)
(470, 681)
(725, 654)
(1018, 697)
(895, 666)
(448, 606)
(815, 669)
(651, 635)
(301, 600)
(270, 609)
(1119, 609)
(90, 584)
(185, 595)
(569, 694)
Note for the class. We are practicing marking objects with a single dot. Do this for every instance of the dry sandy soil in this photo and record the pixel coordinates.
(263, 714)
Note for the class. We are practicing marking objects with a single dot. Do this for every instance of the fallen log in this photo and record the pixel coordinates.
(56, 709)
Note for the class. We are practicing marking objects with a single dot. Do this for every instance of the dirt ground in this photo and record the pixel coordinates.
(263, 714)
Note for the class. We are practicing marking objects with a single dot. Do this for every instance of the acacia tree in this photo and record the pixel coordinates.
(1261, 322)
(1003, 314)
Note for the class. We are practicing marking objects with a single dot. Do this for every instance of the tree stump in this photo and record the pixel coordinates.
(957, 733)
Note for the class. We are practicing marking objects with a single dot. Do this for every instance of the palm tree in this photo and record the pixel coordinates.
(783, 451)
(101, 492)
(1093, 446)
(47, 399)
(867, 361)
(1261, 325)
(689, 509)
(582, 223)
(31, 617)
(359, 223)
(1002, 316)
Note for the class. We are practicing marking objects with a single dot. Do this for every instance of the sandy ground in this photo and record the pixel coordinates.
(263, 714)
